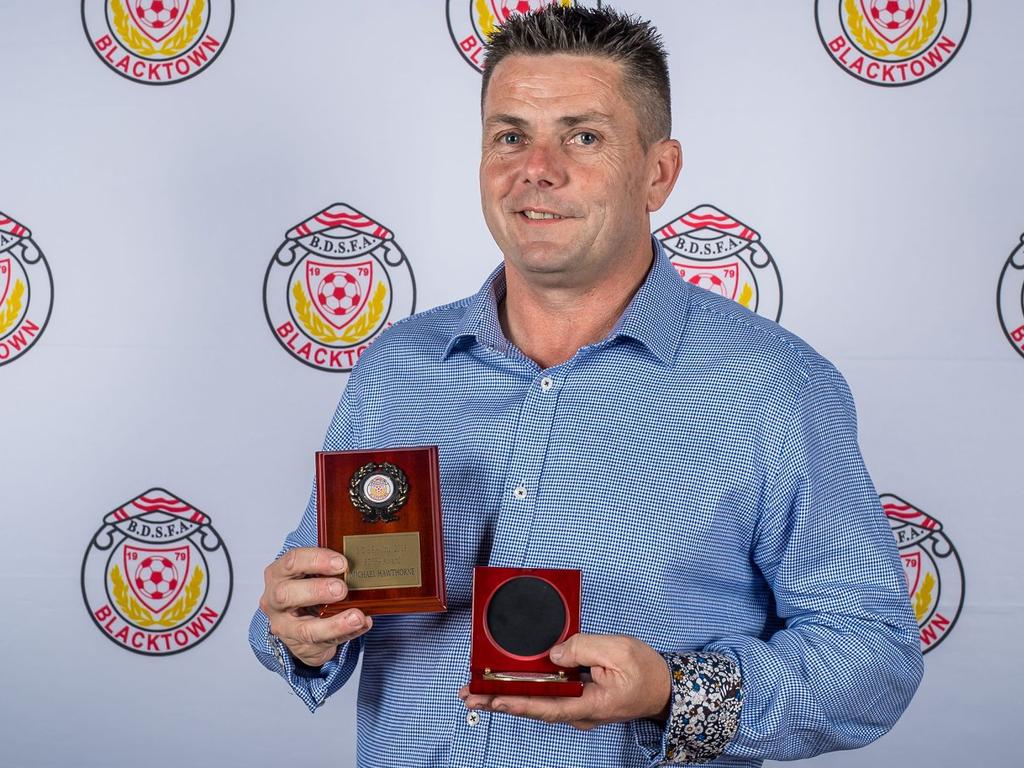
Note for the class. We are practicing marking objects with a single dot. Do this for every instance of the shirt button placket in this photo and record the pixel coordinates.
(533, 433)
(469, 741)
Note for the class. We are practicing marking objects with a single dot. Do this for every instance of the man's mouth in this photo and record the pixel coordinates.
(540, 215)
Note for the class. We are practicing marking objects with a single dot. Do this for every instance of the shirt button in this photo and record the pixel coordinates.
(546, 383)
(520, 493)
(276, 645)
(472, 719)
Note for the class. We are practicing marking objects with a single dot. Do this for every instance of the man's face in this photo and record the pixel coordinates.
(560, 137)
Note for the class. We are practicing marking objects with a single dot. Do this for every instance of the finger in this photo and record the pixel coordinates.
(589, 651)
(330, 631)
(475, 700)
(550, 709)
(343, 627)
(288, 594)
(315, 654)
(307, 561)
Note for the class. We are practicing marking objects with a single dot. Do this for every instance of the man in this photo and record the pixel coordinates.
(743, 598)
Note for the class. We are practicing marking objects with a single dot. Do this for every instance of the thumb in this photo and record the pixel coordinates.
(584, 651)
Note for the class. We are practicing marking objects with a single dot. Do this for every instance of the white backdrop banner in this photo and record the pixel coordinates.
(208, 210)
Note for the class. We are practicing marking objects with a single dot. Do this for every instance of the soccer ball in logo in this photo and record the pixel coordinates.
(156, 577)
(379, 488)
(892, 14)
(508, 7)
(157, 13)
(709, 282)
(339, 293)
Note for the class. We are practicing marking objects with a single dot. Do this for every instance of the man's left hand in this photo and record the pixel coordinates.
(629, 681)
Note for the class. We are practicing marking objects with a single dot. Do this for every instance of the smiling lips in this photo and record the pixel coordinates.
(533, 215)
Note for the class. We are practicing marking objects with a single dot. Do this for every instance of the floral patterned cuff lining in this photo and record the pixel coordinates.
(705, 709)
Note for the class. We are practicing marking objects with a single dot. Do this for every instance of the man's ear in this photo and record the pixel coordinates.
(666, 162)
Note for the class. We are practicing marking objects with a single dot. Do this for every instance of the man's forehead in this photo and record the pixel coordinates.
(589, 83)
(532, 70)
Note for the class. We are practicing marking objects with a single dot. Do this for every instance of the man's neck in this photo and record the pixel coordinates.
(550, 324)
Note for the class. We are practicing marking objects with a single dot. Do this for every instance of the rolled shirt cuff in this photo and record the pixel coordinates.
(704, 712)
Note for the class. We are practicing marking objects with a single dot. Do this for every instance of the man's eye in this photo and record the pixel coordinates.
(511, 138)
(585, 138)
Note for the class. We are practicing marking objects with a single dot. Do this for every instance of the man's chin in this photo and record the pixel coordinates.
(543, 258)
(547, 270)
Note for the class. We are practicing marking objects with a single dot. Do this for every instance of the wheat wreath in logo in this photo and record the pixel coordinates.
(157, 42)
(935, 577)
(714, 251)
(892, 42)
(156, 577)
(1010, 298)
(335, 283)
(26, 290)
(471, 22)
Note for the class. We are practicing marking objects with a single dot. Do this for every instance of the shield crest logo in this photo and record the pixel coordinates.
(912, 570)
(335, 283)
(472, 22)
(892, 20)
(715, 251)
(502, 9)
(339, 291)
(1010, 297)
(156, 576)
(722, 279)
(931, 565)
(26, 290)
(5, 279)
(157, 19)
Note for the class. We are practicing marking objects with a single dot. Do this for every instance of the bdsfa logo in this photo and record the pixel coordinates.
(714, 251)
(892, 42)
(472, 22)
(157, 42)
(1010, 297)
(335, 283)
(156, 577)
(26, 290)
(935, 577)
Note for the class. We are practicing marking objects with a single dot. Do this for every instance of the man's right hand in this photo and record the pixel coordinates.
(298, 581)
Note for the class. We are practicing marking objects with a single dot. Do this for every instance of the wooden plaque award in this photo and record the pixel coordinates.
(382, 510)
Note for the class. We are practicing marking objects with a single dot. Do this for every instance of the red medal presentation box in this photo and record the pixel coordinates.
(519, 614)
(382, 510)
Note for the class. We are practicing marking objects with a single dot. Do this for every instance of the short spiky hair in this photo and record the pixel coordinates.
(629, 40)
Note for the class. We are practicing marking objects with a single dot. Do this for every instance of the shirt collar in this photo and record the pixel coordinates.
(655, 316)
(480, 321)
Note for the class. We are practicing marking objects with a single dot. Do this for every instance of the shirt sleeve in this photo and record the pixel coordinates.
(310, 684)
(848, 660)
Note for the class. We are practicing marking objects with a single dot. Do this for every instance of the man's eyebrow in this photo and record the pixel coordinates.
(586, 117)
(568, 120)
(515, 122)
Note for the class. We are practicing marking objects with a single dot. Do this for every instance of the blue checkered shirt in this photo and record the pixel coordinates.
(699, 465)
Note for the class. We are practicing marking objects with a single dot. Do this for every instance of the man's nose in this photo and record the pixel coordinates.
(544, 166)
